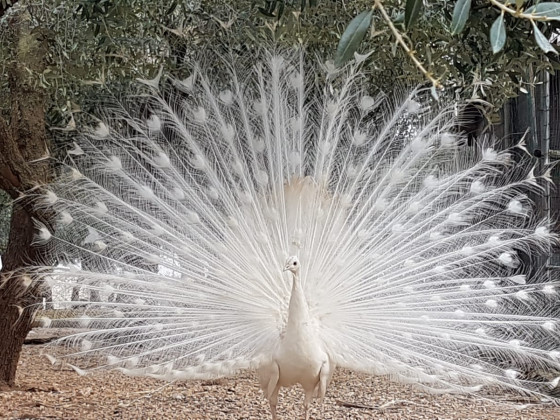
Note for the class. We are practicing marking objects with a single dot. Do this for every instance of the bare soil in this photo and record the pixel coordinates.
(44, 391)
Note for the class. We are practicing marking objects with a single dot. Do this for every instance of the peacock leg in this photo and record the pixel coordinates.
(324, 378)
(307, 401)
(273, 400)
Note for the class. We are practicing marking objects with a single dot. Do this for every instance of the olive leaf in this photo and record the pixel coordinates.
(542, 42)
(352, 37)
(550, 10)
(412, 12)
(498, 34)
(460, 15)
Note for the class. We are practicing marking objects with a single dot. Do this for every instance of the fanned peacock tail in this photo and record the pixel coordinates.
(415, 248)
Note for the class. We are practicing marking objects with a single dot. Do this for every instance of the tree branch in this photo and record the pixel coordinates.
(410, 52)
(518, 12)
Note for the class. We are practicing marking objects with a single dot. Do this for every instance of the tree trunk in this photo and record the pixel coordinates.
(23, 166)
(15, 314)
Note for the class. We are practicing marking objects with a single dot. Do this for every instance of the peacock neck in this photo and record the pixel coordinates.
(298, 311)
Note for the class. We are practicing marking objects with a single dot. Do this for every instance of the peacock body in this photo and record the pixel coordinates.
(410, 250)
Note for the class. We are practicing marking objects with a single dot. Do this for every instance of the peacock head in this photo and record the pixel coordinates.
(292, 264)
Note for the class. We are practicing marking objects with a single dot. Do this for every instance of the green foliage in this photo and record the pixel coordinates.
(548, 10)
(541, 12)
(472, 46)
(542, 41)
(412, 12)
(498, 34)
(460, 16)
(481, 48)
(352, 37)
(105, 44)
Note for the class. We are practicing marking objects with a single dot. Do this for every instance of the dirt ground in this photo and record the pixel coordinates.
(47, 392)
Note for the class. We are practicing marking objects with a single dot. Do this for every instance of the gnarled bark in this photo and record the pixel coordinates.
(23, 166)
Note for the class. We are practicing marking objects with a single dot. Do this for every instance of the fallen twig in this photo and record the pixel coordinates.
(388, 405)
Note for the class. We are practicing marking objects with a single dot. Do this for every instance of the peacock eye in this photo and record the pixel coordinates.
(295, 263)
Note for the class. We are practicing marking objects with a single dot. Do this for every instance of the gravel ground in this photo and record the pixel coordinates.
(46, 392)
